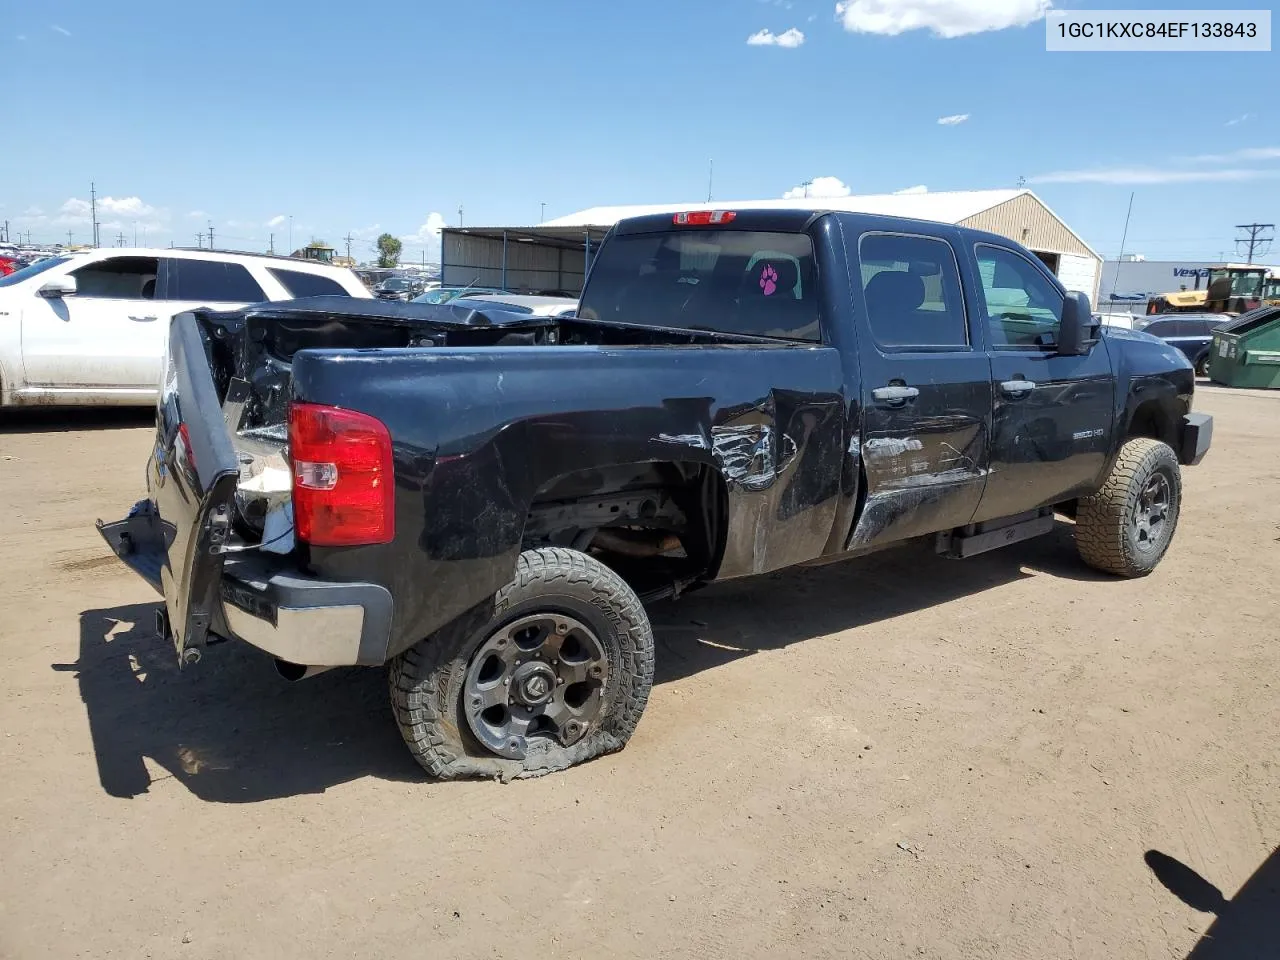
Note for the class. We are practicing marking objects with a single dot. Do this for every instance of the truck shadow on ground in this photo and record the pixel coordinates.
(66, 419)
(1247, 926)
(231, 731)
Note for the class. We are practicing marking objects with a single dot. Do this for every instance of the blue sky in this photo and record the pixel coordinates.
(389, 116)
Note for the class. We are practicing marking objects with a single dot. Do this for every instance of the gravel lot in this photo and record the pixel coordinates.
(900, 756)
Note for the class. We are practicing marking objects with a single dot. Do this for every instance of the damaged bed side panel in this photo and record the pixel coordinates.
(478, 432)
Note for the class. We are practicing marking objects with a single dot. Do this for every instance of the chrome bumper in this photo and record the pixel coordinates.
(311, 622)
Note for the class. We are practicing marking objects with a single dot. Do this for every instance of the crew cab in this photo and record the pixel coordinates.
(486, 501)
(90, 327)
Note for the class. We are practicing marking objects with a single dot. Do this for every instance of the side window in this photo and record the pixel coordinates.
(1024, 310)
(209, 281)
(1160, 328)
(118, 278)
(300, 284)
(912, 288)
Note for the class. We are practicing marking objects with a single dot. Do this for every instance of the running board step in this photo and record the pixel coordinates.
(989, 535)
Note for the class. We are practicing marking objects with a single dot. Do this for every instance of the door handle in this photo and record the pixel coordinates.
(1017, 389)
(896, 393)
(141, 319)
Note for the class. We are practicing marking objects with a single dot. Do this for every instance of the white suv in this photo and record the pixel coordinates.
(91, 326)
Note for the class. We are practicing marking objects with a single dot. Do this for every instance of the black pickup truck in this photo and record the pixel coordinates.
(486, 501)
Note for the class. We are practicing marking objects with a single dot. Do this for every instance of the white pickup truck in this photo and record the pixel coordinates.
(90, 327)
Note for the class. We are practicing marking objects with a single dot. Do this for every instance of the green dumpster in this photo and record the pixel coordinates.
(1246, 351)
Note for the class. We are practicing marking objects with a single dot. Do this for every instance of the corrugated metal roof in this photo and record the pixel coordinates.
(944, 207)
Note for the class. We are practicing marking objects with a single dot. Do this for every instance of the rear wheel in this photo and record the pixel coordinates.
(1202, 364)
(555, 671)
(1126, 527)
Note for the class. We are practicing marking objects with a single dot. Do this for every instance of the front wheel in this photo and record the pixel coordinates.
(1202, 364)
(557, 670)
(1126, 527)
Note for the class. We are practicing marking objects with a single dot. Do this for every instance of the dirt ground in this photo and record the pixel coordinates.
(901, 756)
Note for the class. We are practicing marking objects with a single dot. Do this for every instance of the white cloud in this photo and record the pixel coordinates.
(197, 214)
(1238, 120)
(813, 17)
(33, 212)
(62, 30)
(114, 213)
(818, 188)
(1246, 153)
(944, 18)
(22, 37)
(954, 120)
(905, 191)
(277, 220)
(426, 238)
(790, 39)
(1153, 176)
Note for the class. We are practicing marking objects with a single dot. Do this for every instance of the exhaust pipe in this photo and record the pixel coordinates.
(293, 672)
(635, 543)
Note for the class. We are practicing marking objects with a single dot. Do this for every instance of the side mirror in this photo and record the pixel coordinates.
(1077, 335)
(57, 288)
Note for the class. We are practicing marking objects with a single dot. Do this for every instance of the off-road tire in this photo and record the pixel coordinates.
(427, 680)
(1105, 520)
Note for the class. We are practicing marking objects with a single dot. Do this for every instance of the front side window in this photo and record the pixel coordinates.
(912, 290)
(1024, 309)
(118, 278)
(210, 281)
(728, 281)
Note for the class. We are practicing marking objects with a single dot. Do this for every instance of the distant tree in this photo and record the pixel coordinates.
(388, 250)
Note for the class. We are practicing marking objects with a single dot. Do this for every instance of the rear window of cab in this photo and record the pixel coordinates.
(728, 281)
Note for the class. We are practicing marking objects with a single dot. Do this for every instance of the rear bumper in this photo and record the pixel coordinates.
(287, 614)
(1194, 438)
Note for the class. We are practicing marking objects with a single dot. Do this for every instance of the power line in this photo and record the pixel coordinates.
(1260, 235)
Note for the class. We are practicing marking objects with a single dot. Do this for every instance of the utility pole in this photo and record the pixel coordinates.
(6, 231)
(271, 244)
(711, 176)
(807, 184)
(459, 214)
(135, 233)
(120, 239)
(350, 239)
(210, 234)
(68, 238)
(1260, 235)
(93, 209)
(544, 212)
(200, 240)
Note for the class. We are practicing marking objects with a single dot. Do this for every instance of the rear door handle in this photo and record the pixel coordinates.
(895, 394)
(142, 319)
(1017, 389)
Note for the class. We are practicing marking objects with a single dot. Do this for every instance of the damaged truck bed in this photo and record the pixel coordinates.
(486, 500)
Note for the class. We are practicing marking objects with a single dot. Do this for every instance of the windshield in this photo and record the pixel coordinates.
(728, 281)
(1244, 283)
(26, 273)
(436, 296)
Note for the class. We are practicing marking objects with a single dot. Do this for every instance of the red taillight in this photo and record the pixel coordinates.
(343, 490)
(704, 218)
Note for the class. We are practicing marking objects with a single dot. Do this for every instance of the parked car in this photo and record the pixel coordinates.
(1192, 333)
(487, 505)
(9, 265)
(398, 288)
(445, 294)
(91, 327)
(524, 303)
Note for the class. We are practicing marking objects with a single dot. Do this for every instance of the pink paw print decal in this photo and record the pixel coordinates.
(768, 280)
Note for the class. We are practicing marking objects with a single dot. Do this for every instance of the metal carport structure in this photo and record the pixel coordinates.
(541, 259)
